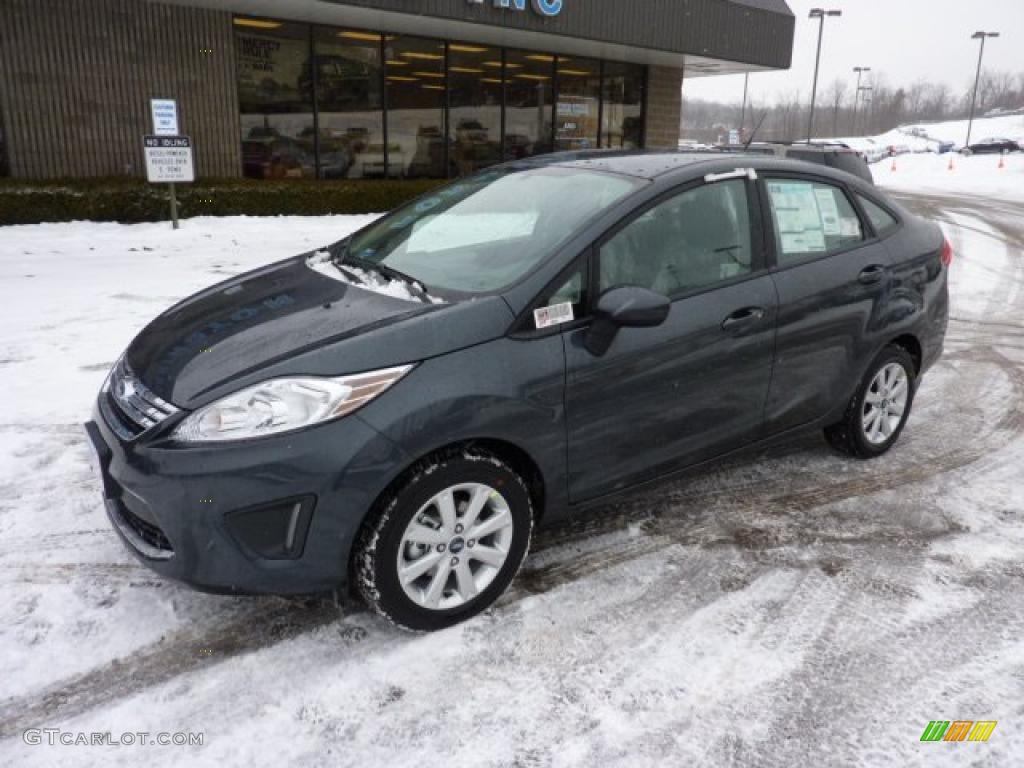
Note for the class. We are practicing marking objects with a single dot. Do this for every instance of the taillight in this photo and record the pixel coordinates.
(947, 253)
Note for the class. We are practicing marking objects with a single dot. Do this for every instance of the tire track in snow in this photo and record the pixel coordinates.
(272, 622)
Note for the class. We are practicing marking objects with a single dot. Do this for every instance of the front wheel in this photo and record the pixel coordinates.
(879, 409)
(444, 544)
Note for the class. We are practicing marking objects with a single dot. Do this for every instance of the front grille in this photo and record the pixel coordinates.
(148, 532)
(138, 409)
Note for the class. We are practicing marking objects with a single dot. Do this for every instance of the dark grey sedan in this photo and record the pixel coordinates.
(397, 411)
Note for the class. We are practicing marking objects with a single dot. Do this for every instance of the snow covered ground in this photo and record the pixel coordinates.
(977, 176)
(787, 608)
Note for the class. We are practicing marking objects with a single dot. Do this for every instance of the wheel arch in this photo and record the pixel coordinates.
(516, 457)
(912, 345)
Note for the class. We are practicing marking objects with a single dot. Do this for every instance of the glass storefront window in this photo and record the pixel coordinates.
(275, 92)
(350, 103)
(474, 107)
(622, 107)
(529, 95)
(579, 103)
(336, 103)
(415, 103)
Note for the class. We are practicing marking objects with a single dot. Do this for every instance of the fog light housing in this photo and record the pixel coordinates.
(274, 531)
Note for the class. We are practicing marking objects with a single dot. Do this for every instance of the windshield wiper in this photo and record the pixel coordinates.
(390, 273)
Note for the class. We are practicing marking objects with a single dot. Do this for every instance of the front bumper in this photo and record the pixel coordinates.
(270, 516)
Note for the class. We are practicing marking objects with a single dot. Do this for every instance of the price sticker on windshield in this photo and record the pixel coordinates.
(557, 314)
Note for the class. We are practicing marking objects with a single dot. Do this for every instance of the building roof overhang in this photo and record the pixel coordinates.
(705, 37)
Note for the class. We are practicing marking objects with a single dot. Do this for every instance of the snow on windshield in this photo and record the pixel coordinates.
(322, 262)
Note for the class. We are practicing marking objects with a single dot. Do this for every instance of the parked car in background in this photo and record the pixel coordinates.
(940, 147)
(397, 411)
(992, 146)
(831, 155)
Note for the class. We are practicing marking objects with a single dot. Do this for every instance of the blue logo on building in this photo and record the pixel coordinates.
(543, 7)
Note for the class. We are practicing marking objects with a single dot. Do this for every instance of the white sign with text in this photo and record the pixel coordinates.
(165, 116)
(169, 159)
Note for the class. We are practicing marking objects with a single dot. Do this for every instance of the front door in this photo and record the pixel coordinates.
(695, 386)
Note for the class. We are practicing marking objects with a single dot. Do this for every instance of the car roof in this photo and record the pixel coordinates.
(654, 165)
(644, 164)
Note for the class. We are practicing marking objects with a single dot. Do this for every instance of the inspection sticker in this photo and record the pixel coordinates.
(546, 317)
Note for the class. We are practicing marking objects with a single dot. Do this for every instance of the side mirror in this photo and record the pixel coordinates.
(626, 307)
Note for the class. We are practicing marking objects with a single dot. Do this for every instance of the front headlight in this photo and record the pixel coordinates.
(281, 405)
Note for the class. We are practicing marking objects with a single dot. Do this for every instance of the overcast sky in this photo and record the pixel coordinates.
(904, 39)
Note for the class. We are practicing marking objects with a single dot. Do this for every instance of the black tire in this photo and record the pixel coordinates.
(375, 562)
(847, 436)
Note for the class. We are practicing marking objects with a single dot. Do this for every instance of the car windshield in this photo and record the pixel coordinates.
(483, 233)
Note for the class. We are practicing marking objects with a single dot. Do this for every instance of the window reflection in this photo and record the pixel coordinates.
(474, 102)
(275, 93)
(415, 99)
(350, 103)
(319, 101)
(579, 99)
(622, 110)
(528, 99)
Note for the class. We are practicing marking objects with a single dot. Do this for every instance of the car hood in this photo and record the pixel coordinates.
(287, 319)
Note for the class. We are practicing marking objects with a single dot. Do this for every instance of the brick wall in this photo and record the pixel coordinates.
(664, 102)
(76, 77)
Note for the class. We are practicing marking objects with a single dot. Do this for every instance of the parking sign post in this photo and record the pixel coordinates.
(169, 161)
(168, 154)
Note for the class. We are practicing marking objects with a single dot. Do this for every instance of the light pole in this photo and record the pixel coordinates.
(974, 98)
(819, 14)
(743, 112)
(867, 89)
(856, 94)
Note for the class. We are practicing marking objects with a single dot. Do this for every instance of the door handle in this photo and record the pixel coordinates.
(872, 274)
(742, 317)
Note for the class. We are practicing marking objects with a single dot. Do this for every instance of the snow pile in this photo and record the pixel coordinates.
(925, 137)
(977, 175)
(1004, 127)
(322, 262)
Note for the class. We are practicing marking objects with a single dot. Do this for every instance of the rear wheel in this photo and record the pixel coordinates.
(879, 409)
(444, 544)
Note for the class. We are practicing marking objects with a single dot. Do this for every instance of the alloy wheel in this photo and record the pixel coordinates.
(455, 546)
(885, 403)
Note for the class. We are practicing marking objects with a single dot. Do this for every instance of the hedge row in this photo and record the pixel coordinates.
(128, 200)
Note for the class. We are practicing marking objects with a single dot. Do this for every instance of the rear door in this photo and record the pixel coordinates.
(830, 279)
(696, 385)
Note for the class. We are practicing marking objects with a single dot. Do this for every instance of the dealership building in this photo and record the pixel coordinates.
(354, 89)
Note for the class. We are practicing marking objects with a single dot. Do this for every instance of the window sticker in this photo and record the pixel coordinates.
(799, 219)
(803, 242)
(828, 209)
(556, 314)
(849, 227)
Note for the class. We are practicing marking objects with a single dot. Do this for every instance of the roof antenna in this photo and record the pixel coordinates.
(754, 132)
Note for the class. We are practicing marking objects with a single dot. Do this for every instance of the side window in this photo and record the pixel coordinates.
(881, 219)
(555, 308)
(811, 219)
(690, 241)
